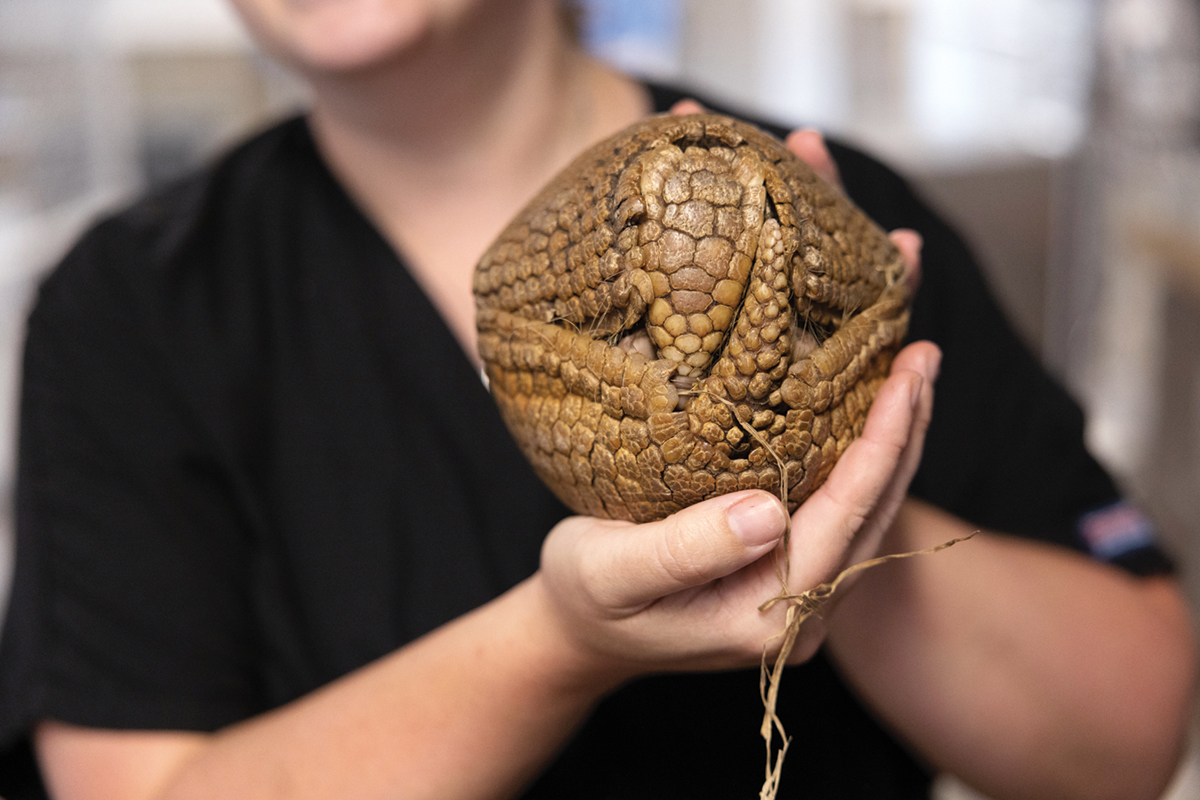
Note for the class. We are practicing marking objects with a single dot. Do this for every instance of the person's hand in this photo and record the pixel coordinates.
(683, 593)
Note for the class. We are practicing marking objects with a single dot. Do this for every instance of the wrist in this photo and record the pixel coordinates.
(560, 657)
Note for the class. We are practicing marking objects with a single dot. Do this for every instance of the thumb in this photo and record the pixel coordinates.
(624, 568)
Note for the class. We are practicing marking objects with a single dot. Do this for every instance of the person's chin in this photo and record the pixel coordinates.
(330, 55)
(337, 36)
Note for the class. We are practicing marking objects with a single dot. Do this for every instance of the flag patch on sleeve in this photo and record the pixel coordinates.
(1114, 530)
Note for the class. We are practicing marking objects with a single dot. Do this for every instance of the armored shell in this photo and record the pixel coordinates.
(683, 310)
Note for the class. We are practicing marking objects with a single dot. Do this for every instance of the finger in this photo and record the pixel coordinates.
(925, 359)
(687, 106)
(864, 471)
(624, 569)
(909, 243)
(885, 429)
(873, 469)
(809, 146)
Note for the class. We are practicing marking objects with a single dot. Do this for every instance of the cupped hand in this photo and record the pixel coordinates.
(683, 593)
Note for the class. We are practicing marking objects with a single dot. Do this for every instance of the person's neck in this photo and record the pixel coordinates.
(444, 144)
(497, 85)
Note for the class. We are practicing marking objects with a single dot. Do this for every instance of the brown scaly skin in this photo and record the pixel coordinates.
(687, 261)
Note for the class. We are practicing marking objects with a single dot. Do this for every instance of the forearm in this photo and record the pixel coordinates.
(472, 710)
(1028, 671)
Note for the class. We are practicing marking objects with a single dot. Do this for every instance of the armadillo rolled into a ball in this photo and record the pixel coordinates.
(681, 294)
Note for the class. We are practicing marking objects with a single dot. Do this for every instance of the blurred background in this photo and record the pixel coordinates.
(1061, 136)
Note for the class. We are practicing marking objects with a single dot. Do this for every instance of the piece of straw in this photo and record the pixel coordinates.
(799, 608)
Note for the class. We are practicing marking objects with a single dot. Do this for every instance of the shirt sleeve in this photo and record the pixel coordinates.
(129, 607)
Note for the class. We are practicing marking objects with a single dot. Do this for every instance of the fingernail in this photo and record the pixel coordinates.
(757, 520)
(933, 364)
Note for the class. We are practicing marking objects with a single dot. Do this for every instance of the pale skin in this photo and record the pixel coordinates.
(1028, 671)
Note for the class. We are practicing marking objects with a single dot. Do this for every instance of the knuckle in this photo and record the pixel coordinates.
(598, 583)
(679, 558)
(853, 521)
(584, 562)
(850, 513)
(890, 452)
(882, 456)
